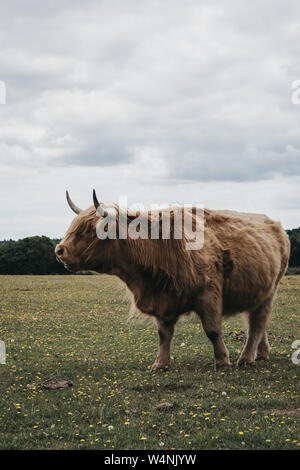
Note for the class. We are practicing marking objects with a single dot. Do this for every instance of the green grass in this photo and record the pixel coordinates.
(76, 328)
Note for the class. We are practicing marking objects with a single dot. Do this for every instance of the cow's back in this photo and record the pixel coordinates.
(259, 251)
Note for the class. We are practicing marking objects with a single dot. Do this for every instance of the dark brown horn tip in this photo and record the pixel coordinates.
(96, 202)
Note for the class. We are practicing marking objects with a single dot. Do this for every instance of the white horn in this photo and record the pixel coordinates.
(72, 205)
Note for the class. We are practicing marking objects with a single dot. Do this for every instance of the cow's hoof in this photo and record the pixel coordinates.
(156, 367)
(223, 366)
(244, 361)
(262, 357)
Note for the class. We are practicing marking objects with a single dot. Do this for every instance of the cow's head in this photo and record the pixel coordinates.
(80, 249)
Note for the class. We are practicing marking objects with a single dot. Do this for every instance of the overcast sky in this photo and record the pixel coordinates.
(163, 101)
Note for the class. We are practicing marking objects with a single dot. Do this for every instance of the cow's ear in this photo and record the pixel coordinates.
(131, 216)
(227, 262)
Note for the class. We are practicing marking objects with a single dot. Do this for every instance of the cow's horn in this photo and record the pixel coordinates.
(96, 202)
(101, 212)
(72, 205)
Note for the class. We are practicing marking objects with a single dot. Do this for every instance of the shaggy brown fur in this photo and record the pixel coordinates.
(237, 270)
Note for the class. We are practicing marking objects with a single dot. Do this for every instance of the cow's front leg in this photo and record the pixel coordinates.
(209, 308)
(165, 332)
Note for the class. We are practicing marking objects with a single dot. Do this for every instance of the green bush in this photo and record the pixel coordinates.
(31, 255)
(295, 246)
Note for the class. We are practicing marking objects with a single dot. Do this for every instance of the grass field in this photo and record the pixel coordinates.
(76, 328)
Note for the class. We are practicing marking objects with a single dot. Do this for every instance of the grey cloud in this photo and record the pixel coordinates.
(252, 165)
(201, 84)
(177, 92)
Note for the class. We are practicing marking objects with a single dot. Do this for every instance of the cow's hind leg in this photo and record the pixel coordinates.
(263, 349)
(211, 317)
(165, 333)
(257, 345)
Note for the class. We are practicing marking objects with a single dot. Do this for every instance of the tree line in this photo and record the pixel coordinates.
(31, 255)
(35, 255)
(294, 235)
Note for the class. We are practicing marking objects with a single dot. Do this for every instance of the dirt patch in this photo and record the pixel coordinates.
(22, 290)
(291, 412)
(165, 406)
(53, 384)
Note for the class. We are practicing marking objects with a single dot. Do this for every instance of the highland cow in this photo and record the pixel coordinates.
(238, 269)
